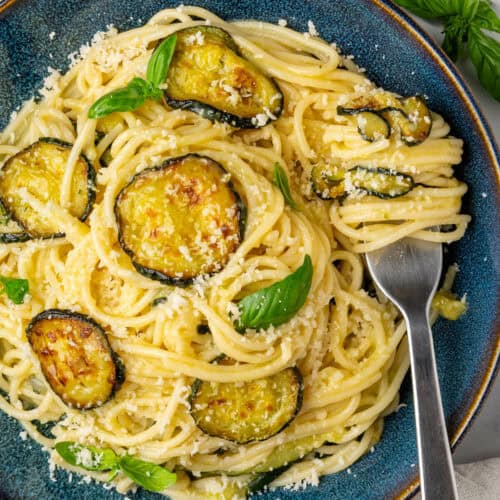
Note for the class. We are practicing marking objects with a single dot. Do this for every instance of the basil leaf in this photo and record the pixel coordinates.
(281, 180)
(150, 476)
(128, 98)
(429, 9)
(87, 457)
(468, 9)
(486, 17)
(484, 52)
(160, 61)
(15, 288)
(277, 303)
(455, 32)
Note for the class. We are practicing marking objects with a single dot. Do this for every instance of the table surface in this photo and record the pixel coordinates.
(483, 439)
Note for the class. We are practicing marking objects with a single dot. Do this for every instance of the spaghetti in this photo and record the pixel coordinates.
(351, 351)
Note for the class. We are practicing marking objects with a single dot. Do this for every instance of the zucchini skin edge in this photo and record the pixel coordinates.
(383, 171)
(197, 384)
(377, 194)
(345, 111)
(153, 273)
(91, 193)
(216, 115)
(65, 314)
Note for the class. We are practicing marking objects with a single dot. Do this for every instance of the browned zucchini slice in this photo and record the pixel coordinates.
(75, 357)
(39, 169)
(410, 116)
(282, 458)
(379, 182)
(381, 101)
(330, 182)
(180, 220)
(104, 126)
(10, 231)
(372, 126)
(248, 411)
(210, 77)
(416, 126)
(327, 181)
(106, 157)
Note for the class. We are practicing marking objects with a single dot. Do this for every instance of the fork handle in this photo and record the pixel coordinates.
(437, 477)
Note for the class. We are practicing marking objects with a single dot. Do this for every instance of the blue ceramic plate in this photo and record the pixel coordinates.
(397, 56)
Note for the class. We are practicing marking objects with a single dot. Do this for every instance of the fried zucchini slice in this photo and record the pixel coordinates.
(327, 181)
(379, 182)
(332, 182)
(414, 121)
(282, 458)
(248, 411)
(372, 126)
(180, 220)
(39, 169)
(410, 115)
(106, 157)
(104, 126)
(76, 358)
(381, 101)
(10, 231)
(210, 77)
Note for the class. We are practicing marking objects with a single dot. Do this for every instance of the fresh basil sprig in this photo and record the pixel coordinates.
(277, 303)
(15, 288)
(150, 476)
(464, 21)
(281, 180)
(135, 94)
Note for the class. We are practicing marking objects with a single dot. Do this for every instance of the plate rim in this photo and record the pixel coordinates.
(454, 76)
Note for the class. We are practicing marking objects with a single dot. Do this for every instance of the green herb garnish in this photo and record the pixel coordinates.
(277, 303)
(464, 21)
(138, 90)
(281, 180)
(15, 288)
(150, 476)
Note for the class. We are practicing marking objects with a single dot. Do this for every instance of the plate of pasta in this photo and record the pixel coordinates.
(185, 201)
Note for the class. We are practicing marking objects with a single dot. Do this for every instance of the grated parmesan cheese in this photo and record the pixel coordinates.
(260, 120)
(51, 82)
(198, 38)
(312, 28)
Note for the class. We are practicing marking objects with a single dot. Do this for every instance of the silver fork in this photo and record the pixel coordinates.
(408, 273)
